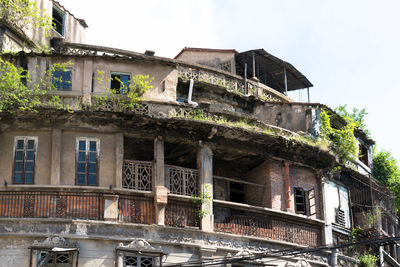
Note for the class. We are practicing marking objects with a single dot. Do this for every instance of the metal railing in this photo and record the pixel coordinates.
(182, 213)
(182, 181)
(136, 209)
(137, 175)
(265, 224)
(45, 204)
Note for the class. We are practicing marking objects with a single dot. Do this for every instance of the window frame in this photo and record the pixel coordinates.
(305, 202)
(61, 81)
(54, 258)
(139, 257)
(87, 152)
(55, 21)
(26, 139)
(118, 90)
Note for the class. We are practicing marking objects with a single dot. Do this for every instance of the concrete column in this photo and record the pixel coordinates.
(119, 159)
(381, 256)
(161, 192)
(34, 256)
(120, 259)
(110, 207)
(334, 257)
(55, 156)
(205, 168)
(87, 80)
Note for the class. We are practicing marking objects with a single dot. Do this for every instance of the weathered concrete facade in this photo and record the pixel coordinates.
(208, 167)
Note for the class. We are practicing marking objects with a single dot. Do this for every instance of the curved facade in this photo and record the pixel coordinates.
(209, 167)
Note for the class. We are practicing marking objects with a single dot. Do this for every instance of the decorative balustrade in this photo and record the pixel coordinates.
(45, 204)
(265, 224)
(181, 181)
(230, 82)
(182, 213)
(136, 209)
(137, 175)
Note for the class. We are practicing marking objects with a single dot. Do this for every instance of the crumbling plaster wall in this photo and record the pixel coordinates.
(208, 58)
(43, 160)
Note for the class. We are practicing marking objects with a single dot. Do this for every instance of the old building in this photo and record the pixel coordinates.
(214, 165)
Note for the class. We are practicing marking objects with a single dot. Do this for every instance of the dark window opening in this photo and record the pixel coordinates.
(236, 192)
(120, 82)
(363, 154)
(61, 79)
(300, 200)
(58, 20)
(87, 153)
(340, 217)
(24, 161)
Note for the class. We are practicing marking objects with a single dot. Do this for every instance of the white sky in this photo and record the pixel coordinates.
(347, 49)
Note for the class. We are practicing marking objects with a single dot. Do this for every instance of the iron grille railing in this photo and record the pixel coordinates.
(44, 204)
(245, 222)
(137, 175)
(182, 181)
(180, 213)
(136, 209)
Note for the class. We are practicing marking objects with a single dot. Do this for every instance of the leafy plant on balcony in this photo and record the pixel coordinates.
(25, 14)
(19, 92)
(368, 260)
(126, 98)
(203, 198)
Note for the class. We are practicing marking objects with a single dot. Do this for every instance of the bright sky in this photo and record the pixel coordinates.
(347, 49)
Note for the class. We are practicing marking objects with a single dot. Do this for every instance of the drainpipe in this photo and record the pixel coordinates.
(190, 94)
(334, 257)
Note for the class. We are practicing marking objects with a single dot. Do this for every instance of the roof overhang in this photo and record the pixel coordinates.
(270, 70)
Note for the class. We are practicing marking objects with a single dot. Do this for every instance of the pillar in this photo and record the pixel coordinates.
(110, 207)
(205, 168)
(287, 185)
(119, 159)
(161, 192)
(55, 156)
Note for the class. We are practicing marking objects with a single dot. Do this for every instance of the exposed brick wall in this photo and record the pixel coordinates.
(258, 196)
(306, 179)
(277, 185)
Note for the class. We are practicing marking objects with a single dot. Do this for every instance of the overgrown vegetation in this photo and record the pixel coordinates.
(342, 140)
(19, 92)
(357, 115)
(387, 171)
(368, 260)
(125, 98)
(25, 14)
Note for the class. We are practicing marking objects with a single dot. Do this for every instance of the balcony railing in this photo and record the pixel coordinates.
(182, 213)
(44, 204)
(137, 175)
(75, 203)
(181, 181)
(136, 209)
(234, 219)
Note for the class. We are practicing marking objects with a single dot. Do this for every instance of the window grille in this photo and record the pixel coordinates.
(54, 259)
(24, 160)
(87, 153)
(138, 261)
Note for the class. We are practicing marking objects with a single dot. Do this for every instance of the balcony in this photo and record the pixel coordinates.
(75, 203)
(243, 219)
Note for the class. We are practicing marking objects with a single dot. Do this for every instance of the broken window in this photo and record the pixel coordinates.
(61, 79)
(337, 208)
(24, 160)
(87, 153)
(59, 20)
(120, 82)
(237, 192)
(363, 154)
(300, 199)
(47, 258)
